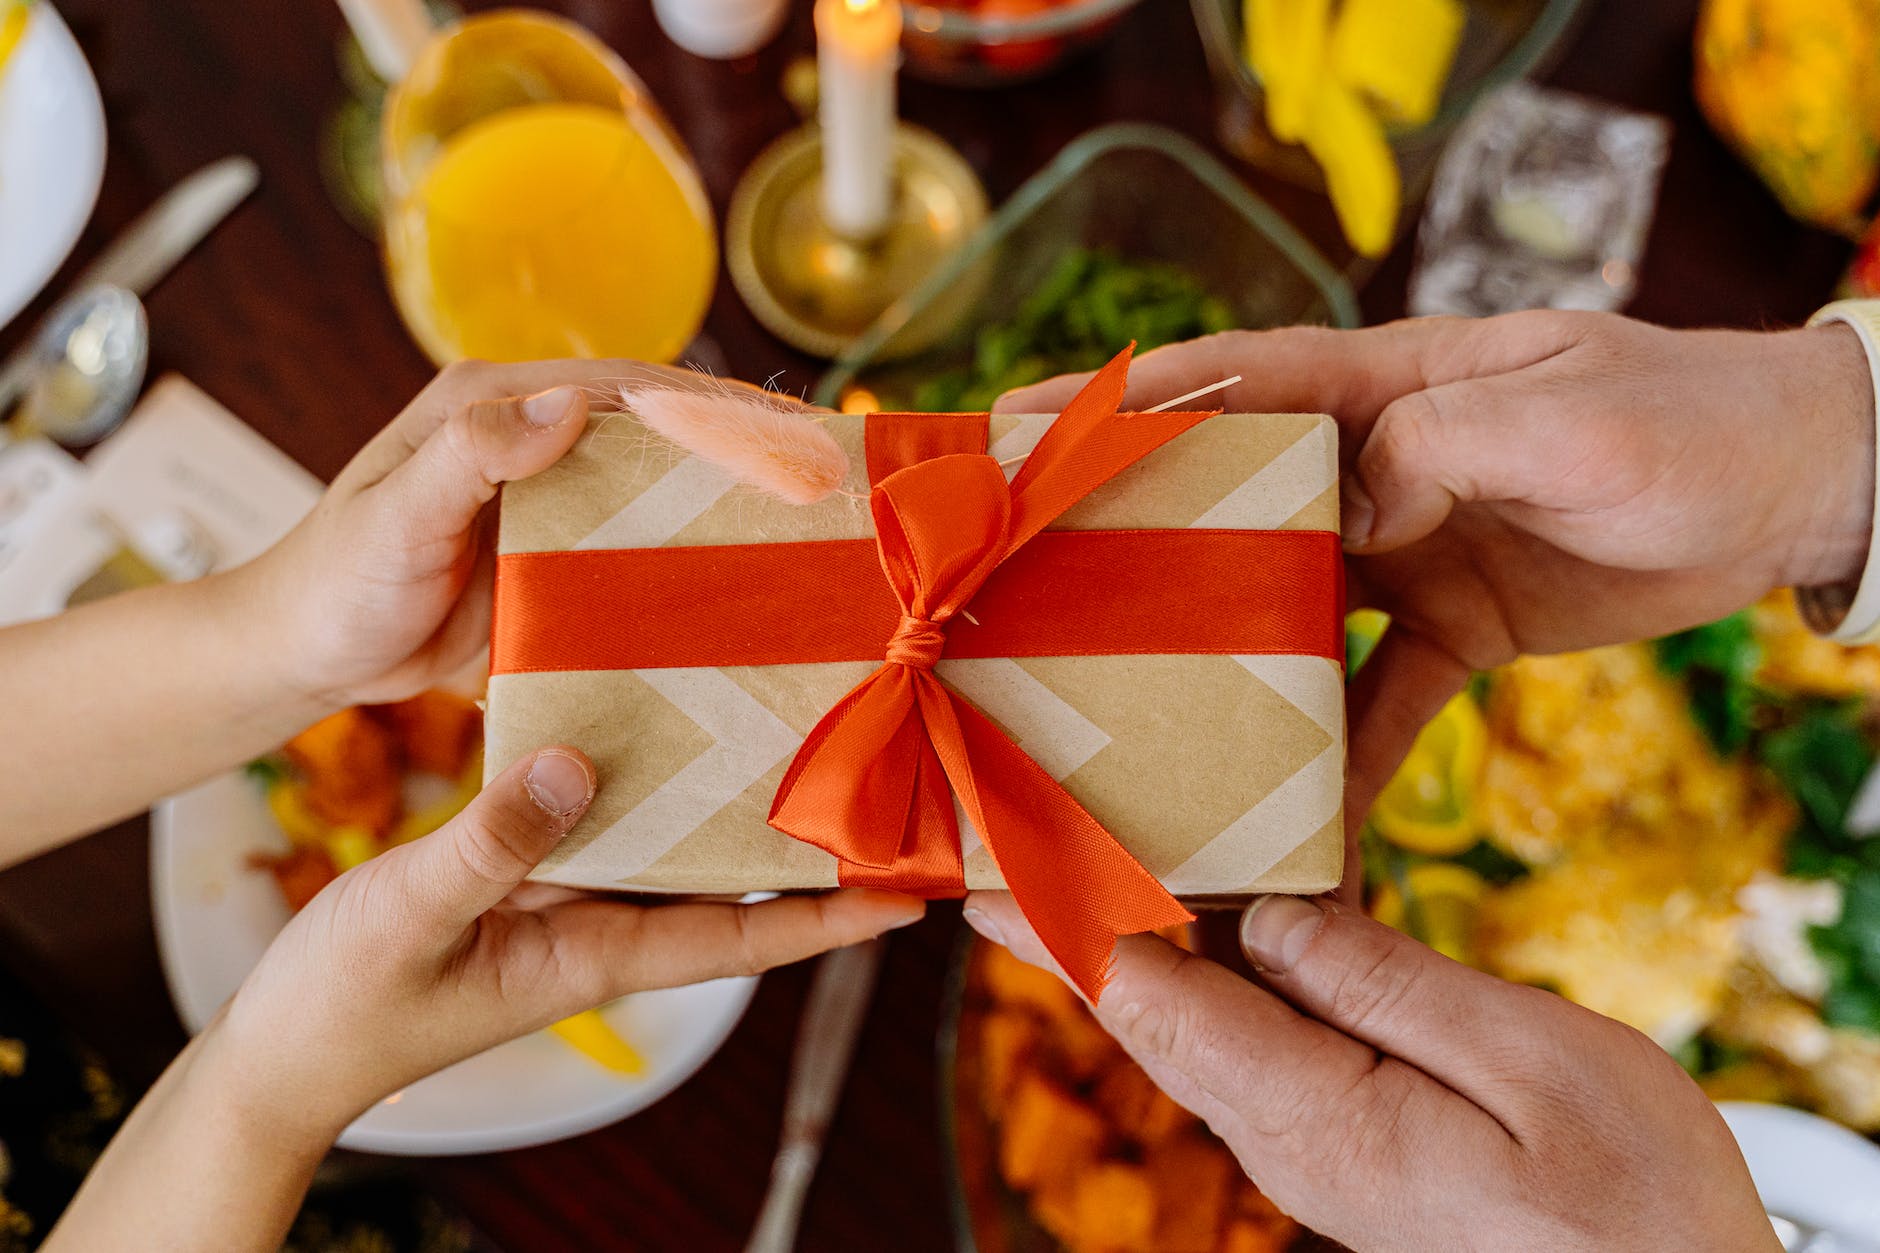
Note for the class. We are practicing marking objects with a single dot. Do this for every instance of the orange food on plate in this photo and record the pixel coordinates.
(1105, 1161)
(351, 765)
(440, 731)
(302, 872)
(353, 784)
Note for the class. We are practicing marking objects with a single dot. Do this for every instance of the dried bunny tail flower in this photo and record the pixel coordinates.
(760, 440)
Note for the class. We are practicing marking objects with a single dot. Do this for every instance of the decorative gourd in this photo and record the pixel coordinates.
(1792, 86)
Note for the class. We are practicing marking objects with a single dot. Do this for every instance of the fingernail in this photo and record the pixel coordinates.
(908, 921)
(549, 407)
(980, 921)
(559, 784)
(1358, 514)
(1276, 929)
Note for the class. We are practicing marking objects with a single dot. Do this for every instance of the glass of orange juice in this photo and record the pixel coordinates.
(537, 203)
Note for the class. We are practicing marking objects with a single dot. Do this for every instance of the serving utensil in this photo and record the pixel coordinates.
(838, 1002)
(146, 251)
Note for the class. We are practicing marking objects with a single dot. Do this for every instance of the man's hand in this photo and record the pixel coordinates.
(1551, 481)
(1393, 1099)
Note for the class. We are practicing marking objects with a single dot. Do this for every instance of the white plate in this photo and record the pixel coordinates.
(215, 915)
(1807, 1168)
(51, 156)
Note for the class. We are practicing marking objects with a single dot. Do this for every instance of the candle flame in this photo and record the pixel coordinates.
(862, 6)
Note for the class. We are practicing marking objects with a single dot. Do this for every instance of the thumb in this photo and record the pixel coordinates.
(1300, 1102)
(1434, 448)
(472, 862)
(436, 493)
(1401, 997)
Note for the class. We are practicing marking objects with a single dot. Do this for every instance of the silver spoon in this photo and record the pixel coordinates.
(87, 366)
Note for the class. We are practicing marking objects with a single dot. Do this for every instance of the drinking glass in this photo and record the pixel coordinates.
(537, 203)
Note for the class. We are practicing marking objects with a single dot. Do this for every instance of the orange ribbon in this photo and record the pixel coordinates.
(875, 780)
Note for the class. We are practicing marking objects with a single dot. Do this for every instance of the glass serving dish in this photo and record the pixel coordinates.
(995, 42)
(1141, 192)
(1501, 40)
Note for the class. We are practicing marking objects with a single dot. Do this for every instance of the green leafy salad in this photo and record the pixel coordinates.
(1087, 309)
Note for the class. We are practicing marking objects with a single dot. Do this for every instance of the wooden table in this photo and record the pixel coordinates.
(283, 316)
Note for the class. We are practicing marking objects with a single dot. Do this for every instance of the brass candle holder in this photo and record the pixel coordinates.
(817, 289)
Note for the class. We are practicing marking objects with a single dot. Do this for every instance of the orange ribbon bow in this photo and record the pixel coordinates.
(874, 781)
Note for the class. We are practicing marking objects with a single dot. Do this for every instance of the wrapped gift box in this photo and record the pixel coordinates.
(1222, 774)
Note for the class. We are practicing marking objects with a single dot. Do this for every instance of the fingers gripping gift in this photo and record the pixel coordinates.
(1093, 657)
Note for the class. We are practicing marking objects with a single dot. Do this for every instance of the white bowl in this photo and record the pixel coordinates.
(51, 156)
(216, 914)
(1808, 1169)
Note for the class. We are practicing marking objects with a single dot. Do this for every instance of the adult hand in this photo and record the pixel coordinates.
(1544, 482)
(384, 589)
(1393, 1099)
(436, 950)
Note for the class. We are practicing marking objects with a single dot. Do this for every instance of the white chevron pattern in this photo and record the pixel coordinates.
(1300, 806)
(1283, 487)
(663, 510)
(1020, 440)
(750, 741)
(1041, 722)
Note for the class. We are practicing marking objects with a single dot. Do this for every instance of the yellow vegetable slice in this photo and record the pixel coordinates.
(1437, 904)
(1363, 629)
(1286, 42)
(1361, 173)
(589, 1035)
(1397, 54)
(421, 822)
(351, 846)
(287, 801)
(1428, 805)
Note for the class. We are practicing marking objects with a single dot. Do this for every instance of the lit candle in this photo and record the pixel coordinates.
(857, 44)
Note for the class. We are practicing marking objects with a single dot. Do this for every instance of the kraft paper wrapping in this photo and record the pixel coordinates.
(1223, 775)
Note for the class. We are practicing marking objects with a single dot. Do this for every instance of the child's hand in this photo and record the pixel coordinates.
(384, 589)
(430, 952)
(436, 950)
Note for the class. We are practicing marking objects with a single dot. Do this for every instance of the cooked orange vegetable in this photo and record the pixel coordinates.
(342, 797)
(1113, 1207)
(1049, 1135)
(1006, 1041)
(1194, 1183)
(1106, 1161)
(301, 874)
(351, 767)
(440, 731)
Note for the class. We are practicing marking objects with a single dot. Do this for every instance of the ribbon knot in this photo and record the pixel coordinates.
(876, 780)
(916, 643)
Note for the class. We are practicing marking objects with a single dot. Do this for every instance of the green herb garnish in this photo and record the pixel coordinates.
(1718, 663)
(1822, 758)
